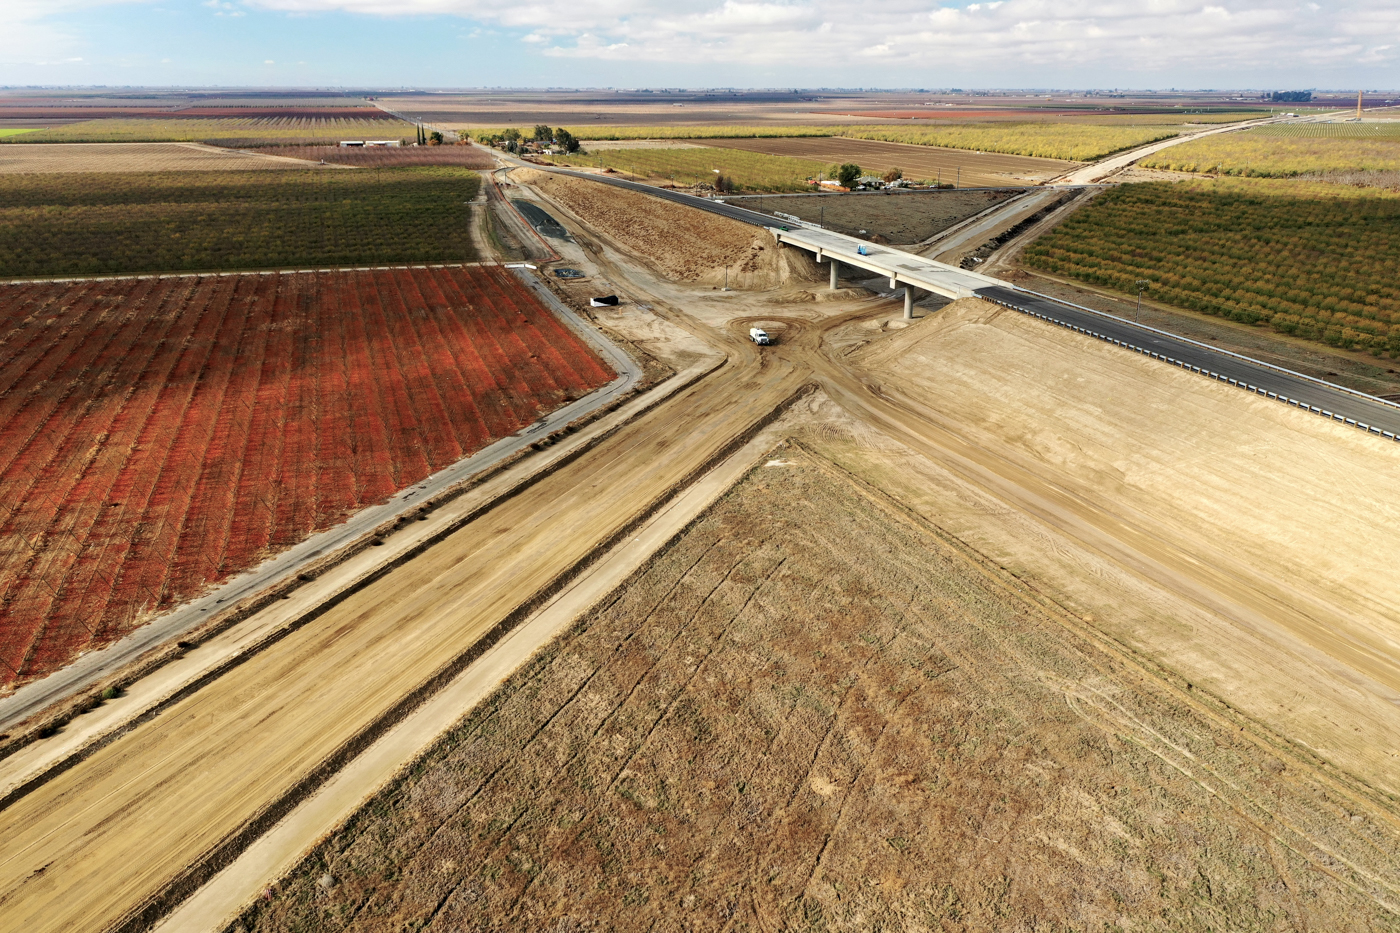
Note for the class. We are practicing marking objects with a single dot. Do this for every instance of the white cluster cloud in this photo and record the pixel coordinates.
(1120, 36)
(987, 43)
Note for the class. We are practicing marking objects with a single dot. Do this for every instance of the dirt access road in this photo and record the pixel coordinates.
(191, 780)
(1101, 169)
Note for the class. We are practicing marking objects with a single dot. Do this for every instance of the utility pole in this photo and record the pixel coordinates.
(958, 183)
(726, 278)
(1141, 284)
(1358, 106)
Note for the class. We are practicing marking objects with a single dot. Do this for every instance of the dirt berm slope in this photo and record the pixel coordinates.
(1280, 525)
(681, 243)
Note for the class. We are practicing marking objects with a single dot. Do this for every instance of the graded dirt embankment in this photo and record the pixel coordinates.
(211, 769)
(1277, 523)
(814, 712)
(681, 243)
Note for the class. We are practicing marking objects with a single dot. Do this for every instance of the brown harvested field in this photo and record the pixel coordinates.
(50, 158)
(386, 156)
(159, 436)
(951, 166)
(681, 243)
(903, 217)
(812, 711)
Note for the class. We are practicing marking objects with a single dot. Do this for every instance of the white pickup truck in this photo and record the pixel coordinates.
(759, 336)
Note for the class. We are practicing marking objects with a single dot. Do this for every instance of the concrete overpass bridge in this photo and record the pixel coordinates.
(1373, 415)
(903, 269)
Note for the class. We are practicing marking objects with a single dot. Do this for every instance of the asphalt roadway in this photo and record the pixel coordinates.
(1104, 167)
(1325, 399)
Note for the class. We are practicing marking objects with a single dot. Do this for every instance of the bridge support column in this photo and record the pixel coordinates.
(833, 274)
(909, 302)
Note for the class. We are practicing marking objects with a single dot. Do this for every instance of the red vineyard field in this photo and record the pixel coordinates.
(158, 436)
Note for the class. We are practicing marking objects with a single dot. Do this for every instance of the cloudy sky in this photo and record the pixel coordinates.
(700, 43)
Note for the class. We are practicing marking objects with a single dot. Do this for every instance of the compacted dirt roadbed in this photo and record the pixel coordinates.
(813, 712)
(202, 770)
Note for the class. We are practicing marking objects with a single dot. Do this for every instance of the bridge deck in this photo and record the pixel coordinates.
(905, 268)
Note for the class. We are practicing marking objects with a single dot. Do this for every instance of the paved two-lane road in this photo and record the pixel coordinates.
(1363, 411)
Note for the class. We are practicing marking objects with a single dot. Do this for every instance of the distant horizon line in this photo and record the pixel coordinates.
(349, 89)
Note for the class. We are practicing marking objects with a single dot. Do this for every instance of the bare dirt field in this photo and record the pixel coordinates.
(1199, 487)
(814, 712)
(905, 217)
(950, 166)
(42, 158)
(685, 245)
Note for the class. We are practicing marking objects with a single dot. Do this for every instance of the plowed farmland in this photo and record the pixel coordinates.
(160, 435)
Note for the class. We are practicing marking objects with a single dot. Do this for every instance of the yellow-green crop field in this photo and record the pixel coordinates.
(1072, 142)
(1320, 268)
(1075, 142)
(230, 131)
(1273, 155)
(751, 171)
(1332, 130)
(15, 132)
